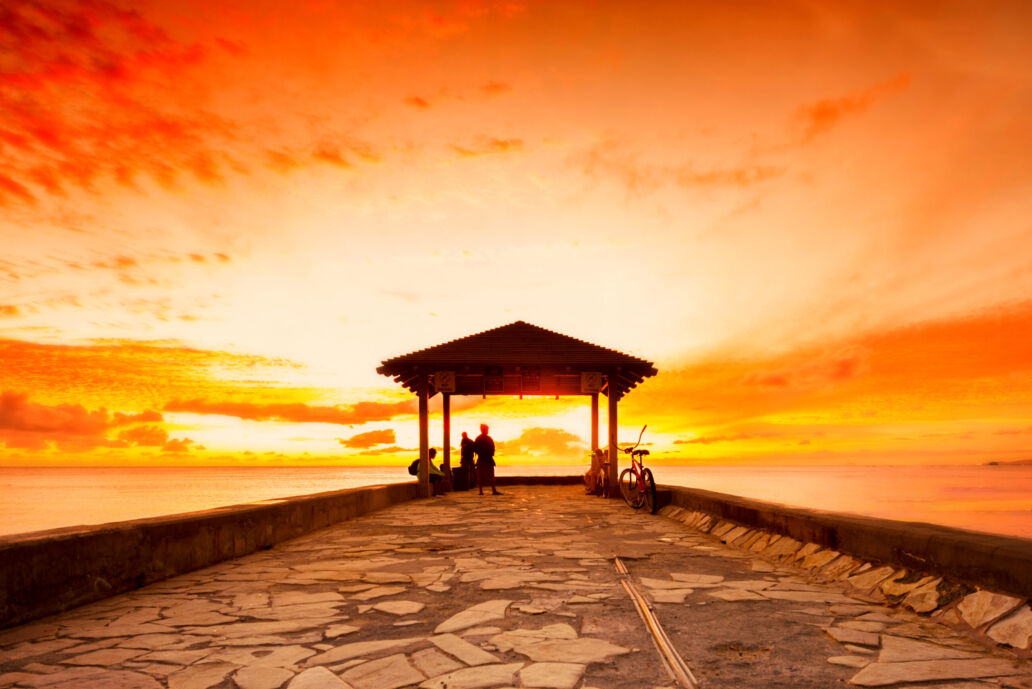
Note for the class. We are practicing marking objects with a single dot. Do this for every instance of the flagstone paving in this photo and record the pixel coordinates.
(519, 590)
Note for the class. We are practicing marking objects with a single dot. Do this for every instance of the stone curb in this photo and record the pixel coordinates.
(913, 566)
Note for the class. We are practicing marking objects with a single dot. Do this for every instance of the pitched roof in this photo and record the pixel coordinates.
(520, 344)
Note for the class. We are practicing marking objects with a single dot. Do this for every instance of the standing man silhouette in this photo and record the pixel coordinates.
(485, 449)
(467, 472)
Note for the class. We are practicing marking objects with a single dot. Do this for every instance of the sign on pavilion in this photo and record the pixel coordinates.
(516, 359)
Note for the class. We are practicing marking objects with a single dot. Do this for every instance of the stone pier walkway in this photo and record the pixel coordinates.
(520, 590)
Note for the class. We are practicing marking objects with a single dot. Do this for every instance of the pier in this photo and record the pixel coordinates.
(542, 586)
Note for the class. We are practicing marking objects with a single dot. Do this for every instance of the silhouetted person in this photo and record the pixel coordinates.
(466, 474)
(485, 449)
(435, 472)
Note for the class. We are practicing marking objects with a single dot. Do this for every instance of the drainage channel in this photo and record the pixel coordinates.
(673, 663)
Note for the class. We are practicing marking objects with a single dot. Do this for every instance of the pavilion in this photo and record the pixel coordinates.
(516, 359)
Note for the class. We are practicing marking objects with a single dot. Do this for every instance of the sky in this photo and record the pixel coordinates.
(217, 218)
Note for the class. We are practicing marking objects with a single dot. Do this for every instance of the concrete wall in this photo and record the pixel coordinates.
(1002, 563)
(48, 571)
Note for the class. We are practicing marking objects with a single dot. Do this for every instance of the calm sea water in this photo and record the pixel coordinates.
(982, 498)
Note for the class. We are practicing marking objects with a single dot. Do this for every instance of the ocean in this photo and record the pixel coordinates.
(995, 499)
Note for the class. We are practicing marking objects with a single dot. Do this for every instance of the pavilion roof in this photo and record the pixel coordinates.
(520, 344)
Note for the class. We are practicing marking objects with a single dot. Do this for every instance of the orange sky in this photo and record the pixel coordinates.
(218, 217)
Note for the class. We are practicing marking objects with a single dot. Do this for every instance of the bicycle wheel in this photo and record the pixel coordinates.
(629, 488)
(648, 490)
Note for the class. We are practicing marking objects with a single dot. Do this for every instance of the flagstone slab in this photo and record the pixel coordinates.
(201, 619)
(261, 677)
(506, 641)
(897, 587)
(201, 676)
(124, 630)
(335, 630)
(384, 673)
(551, 675)
(480, 677)
(399, 607)
(1014, 630)
(732, 595)
(896, 649)
(105, 679)
(863, 625)
(360, 648)
(474, 616)
(387, 578)
(851, 661)
(852, 636)
(177, 657)
(883, 674)
(463, 650)
(829, 597)
(432, 662)
(924, 599)
(104, 657)
(583, 651)
(283, 656)
(379, 592)
(670, 595)
(318, 678)
(696, 580)
(981, 607)
(871, 578)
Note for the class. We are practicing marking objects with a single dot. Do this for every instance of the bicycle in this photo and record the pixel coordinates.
(637, 485)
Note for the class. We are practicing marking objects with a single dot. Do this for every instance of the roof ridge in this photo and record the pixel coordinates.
(527, 325)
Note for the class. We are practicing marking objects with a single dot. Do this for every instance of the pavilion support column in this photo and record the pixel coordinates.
(594, 431)
(446, 442)
(424, 437)
(614, 451)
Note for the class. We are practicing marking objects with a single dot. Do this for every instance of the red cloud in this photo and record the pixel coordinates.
(145, 436)
(824, 369)
(821, 116)
(30, 425)
(362, 412)
(370, 439)
(494, 88)
(417, 102)
(178, 445)
(79, 104)
(607, 160)
(8, 310)
(550, 442)
(489, 145)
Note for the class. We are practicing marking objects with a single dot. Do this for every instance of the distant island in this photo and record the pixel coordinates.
(1027, 461)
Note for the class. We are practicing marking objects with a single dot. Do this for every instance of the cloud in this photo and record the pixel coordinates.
(31, 425)
(370, 439)
(495, 88)
(489, 146)
(9, 310)
(355, 414)
(820, 117)
(417, 102)
(710, 440)
(80, 106)
(145, 436)
(608, 160)
(547, 442)
(179, 445)
(825, 368)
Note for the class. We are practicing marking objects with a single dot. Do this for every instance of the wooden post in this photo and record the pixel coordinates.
(614, 451)
(594, 431)
(446, 406)
(424, 438)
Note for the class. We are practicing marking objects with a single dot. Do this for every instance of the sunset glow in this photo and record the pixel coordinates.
(217, 218)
